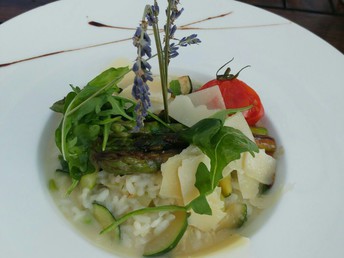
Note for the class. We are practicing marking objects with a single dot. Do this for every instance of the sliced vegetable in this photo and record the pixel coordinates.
(170, 237)
(259, 130)
(237, 215)
(88, 181)
(226, 186)
(105, 218)
(181, 86)
(266, 142)
(52, 185)
(264, 188)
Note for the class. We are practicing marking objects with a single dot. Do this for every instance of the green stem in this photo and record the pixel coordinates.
(72, 186)
(166, 60)
(162, 68)
(105, 135)
(127, 216)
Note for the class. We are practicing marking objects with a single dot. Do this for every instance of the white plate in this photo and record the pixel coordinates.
(298, 76)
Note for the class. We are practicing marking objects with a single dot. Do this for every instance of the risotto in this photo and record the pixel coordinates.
(236, 199)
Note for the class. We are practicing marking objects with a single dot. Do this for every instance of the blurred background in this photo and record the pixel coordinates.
(325, 18)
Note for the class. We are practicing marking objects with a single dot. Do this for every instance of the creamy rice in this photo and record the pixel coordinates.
(122, 194)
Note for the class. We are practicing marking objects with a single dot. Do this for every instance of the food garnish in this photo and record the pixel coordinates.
(104, 131)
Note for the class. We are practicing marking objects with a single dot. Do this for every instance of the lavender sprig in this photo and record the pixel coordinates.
(165, 53)
(184, 42)
(142, 70)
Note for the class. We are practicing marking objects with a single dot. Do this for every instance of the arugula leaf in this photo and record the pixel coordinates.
(200, 205)
(203, 179)
(106, 83)
(222, 145)
(202, 132)
(84, 113)
(203, 184)
(229, 143)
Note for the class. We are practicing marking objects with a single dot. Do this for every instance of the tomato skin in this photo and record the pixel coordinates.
(237, 94)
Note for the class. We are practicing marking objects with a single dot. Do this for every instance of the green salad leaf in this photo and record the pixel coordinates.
(200, 205)
(203, 178)
(222, 145)
(87, 115)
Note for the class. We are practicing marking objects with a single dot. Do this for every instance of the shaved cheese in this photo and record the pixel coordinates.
(190, 109)
(183, 110)
(249, 187)
(251, 170)
(207, 222)
(210, 97)
(235, 165)
(238, 121)
(262, 167)
(170, 186)
(187, 176)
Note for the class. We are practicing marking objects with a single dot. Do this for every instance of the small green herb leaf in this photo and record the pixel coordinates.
(229, 143)
(200, 205)
(203, 179)
(202, 132)
(106, 78)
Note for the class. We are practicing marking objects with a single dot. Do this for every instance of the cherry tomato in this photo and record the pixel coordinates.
(237, 94)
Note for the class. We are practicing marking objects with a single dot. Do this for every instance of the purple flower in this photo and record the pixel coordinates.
(173, 50)
(176, 13)
(189, 40)
(152, 14)
(140, 90)
(150, 18)
(155, 8)
(172, 31)
(142, 70)
(142, 41)
(146, 49)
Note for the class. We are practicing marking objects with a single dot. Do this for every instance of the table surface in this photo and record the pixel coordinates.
(324, 18)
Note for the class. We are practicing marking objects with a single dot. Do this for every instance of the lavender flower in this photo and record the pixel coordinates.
(172, 31)
(142, 41)
(175, 14)
(152, 13)
(189, 40)
(142, 70)
(173, 50)
(185, 41)
(140, 91)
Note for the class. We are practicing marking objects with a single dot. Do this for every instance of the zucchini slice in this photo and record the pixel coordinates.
(259, 130)
(105, 218)
(181, 86)
(226, 186)
(263, 188)
(89, 181)
(237, 215)
(170, 237)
